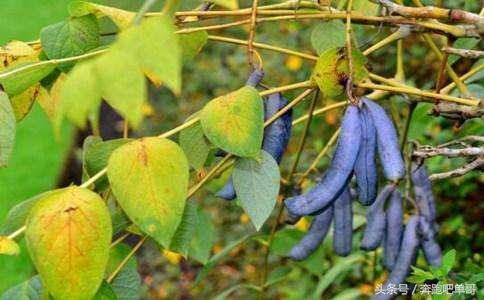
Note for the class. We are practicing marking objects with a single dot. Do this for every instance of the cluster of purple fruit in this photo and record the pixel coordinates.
(365, 130)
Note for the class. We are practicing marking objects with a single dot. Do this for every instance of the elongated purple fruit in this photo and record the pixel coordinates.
(338, 174)
(376, 220)
(314, 237)
(277, 134)
(255, 77)
(430, 247)
(387, 140)
(365, 165)
(422, 188)
(405, 258)
(394, 230)
(343, 223)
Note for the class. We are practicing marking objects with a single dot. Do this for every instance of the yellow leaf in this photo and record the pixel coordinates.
(293, 63)
(8, 246)
(22, 103)
(173, 257)
(122, 18)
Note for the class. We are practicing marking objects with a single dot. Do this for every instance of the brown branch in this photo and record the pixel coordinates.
(464, 52)
(475, 164)
(457, 112)
(425, 152)
(432, 12)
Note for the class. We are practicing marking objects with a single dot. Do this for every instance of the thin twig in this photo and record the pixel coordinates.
(250, 40)
(468, 53)
(425, 152)
(126, 259)
(477, 163)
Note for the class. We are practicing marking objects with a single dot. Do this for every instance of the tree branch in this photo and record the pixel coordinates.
(477, 163)
(425, 152)
(464, 52)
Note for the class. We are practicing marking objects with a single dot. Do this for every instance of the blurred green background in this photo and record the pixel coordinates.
(39, 160)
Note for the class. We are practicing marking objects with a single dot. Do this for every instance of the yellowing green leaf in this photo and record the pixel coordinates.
(16, 49)
(235, 122)
(149, 177)
(73, 37)
(153, 45)
(122, 18)
(331, 71)
(7, 129)
(8, 246)
(230, 4)
(22, 103)
(68, 237)
(122, 84)
(18, 78)
(257, 186)
(79, 95)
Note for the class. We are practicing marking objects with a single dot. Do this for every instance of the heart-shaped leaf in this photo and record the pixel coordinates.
(257, 186)
(235, 122)
(149, 177)
(68, 236)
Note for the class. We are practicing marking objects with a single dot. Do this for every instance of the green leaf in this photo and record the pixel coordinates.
(7, 129)
(149, 177)
(195, 145)
(18, 214)
(105, 292)
(331, 71)
(365, 7)
(73, 37)
(214, 260)
(327, 35)
(184, 233)
(230, 4)
(96, 156)
(80, 95)
(448, 261)
(20, 77)
(122, 18)
(28, 290)
(342, 265)
(154, 47)
(127, 283)
(191, 44)
(278, 274)
(235, 122)
(8, 246)
(257, 186)
(125, 93)
(203, 238)
(420, 276)
(68, 236)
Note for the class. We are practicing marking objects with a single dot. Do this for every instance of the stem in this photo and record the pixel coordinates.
(120, 239)
(125, 260)
(250, 41)
(209, 175)
(397, 35)
(468, 53)
(262, 46)
(463, 78)
(455, 78)
(302, 141)
(16, 233)
(411, 109)
(412, 91)
(94, 178)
